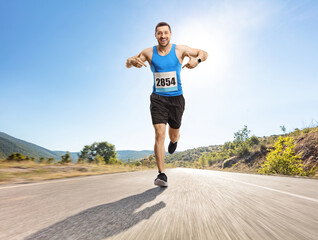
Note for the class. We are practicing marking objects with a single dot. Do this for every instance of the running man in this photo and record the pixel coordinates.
(166, 101)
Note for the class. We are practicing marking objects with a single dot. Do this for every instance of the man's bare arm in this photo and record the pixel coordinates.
(193, 54)
(136, 61)
(139, 60)
(198, 53)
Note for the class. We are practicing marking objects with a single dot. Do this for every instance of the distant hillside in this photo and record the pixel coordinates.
(190, 155)
(9, 144)
(123, 155)
(126, 155)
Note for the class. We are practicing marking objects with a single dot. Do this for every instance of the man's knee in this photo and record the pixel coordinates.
(174, 137)
(174, 134)
(160, 134)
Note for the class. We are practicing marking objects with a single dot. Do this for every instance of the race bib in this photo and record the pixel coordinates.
(166, 81)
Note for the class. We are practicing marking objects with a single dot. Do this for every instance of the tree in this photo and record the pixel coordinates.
(282, 159)
(86, 155)
(103, 150)
(227, 146)
(241, 135)
(106, 150)
(283, 128)
(240, 141)
(203, 161)
(66, 158)
(99, 159)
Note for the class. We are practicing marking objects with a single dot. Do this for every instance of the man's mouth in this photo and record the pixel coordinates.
(163, 40)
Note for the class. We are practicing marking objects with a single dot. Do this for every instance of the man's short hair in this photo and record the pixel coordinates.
(161, 24)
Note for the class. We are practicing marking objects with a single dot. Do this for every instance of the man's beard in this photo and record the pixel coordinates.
(168, 42)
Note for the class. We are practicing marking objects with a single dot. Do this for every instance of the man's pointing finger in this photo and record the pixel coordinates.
(185, 65)
(141, 62)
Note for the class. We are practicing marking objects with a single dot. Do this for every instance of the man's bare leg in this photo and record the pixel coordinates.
(160, 132)
(174, 138)
(174, 134)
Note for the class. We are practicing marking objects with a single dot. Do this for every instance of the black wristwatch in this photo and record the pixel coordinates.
(199, 60)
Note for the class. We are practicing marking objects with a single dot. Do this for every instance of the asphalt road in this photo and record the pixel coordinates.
(198, 204)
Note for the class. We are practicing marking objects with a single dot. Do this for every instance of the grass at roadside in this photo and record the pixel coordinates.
(19, 172)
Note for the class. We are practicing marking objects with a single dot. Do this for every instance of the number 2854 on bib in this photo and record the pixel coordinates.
(166, 81)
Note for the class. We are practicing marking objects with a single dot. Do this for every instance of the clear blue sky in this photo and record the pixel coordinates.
(64, 84)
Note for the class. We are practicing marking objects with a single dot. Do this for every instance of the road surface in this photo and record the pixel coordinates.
(198, 204)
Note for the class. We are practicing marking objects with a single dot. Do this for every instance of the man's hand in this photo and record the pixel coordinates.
(193, 62)
(135, 61)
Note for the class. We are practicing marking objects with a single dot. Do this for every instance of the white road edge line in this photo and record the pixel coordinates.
(279, 191)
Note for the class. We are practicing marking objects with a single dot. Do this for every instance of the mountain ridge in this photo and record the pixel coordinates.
(10, 144)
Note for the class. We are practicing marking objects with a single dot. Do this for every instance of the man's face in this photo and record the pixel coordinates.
(163, 36)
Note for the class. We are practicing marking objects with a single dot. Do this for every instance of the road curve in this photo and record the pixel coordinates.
(198, 204)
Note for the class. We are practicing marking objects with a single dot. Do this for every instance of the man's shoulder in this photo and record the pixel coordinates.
(147, 51)
(181, 47)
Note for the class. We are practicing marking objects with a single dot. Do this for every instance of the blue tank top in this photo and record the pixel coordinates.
(166, 73)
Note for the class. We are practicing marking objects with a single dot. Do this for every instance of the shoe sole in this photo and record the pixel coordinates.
(161, 183)
(170, 151)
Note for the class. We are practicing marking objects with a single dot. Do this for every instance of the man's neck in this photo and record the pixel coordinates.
(164, 50)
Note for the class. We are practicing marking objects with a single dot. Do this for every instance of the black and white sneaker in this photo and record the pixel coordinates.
(161, 180)
(172, 147)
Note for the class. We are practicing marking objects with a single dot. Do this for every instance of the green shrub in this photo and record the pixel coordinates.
(296, 132)
(67, 158)
(252, 141)
(50, 160)
(243, 149)
(282, 159)
(18, 157)
(262, 147)
(41, 160)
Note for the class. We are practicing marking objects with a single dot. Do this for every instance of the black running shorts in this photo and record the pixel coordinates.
(167, 110)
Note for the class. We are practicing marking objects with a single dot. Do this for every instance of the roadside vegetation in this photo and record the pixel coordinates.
(282, 159)
(98, 158)
(294, 153)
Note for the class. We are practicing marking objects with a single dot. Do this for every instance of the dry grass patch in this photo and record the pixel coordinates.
(16, 172)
